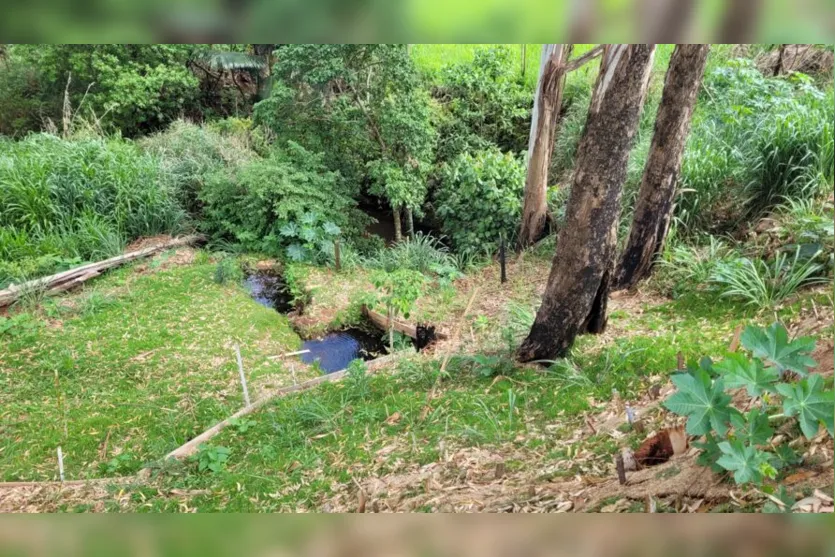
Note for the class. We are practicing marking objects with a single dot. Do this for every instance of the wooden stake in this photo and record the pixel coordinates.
(60, 464)
(502, 259)
(243, 377)
(336, 256)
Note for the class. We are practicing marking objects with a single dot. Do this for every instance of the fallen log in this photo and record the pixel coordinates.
(191, 446)
(381, 321)
(68, 279)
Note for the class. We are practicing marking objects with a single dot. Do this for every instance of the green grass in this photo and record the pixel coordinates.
(146, 356)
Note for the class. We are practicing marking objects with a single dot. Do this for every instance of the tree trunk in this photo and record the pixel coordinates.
(546, 110)
(410, 223)
(398, 227)
(658, 185)
(578, 285)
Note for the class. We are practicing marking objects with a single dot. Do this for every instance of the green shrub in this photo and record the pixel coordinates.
(479, 199)
(288, 199)
(189, 154)
(483, 103)
(754, 142)
(227, 269)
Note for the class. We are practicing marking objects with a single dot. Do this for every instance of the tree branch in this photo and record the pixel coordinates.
(581, 60)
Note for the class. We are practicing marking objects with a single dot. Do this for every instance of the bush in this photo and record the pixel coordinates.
(754, 142)
(189, 154)
(66, 199)
(480, 198)
(484, 103)
(273, 204)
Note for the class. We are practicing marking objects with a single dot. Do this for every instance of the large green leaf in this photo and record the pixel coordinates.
(702, 400)
(739, 371)
(753, 427)
(772, 344)
(747, 463)
(810, 403)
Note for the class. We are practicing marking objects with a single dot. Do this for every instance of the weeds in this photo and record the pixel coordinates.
(764, 284)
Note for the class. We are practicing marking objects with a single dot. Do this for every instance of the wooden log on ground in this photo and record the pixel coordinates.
(381, 321)
(191, 446)
(68, 279)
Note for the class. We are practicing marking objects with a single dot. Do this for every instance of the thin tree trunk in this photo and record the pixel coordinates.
(658, 185)
(398, 227)
(546, 110)
(410, 223)
(578, 285)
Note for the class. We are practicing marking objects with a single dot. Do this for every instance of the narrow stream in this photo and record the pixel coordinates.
(335, 350)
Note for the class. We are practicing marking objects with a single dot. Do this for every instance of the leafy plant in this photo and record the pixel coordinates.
(242, 425)
(358, 381)
(737, 442)
(765, 285)
(212, 458)
(479, 199)
(399, 291)
(286, 204)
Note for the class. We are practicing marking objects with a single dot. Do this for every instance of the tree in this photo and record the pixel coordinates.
(578, 285)
(363, 105)
(658, 185)
(546, 110)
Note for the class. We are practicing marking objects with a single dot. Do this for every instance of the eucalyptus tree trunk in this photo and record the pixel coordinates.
(658, 185)
(546, 110)
(578, 285)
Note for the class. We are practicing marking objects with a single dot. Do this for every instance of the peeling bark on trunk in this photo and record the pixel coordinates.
(398, 227)
(658, 185)
(544, 117)
(578, 285)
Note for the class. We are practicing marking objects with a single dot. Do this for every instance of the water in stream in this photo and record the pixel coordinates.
(335, 350)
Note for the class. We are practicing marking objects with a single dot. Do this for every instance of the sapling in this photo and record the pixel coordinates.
(400, 290)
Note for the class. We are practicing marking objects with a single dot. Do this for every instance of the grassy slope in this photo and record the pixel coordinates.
(306, 452)
(146, 356)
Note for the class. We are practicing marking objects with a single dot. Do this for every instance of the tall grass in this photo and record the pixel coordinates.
(79, 199)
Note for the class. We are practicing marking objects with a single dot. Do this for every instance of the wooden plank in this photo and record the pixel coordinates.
(381, 321)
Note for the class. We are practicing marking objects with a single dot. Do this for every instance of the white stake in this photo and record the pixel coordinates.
(243, 377)
(60, 464)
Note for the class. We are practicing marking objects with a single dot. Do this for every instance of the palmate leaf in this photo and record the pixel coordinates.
(810, 403)
(772, 344)
(747, 463)
(296, 252)
(702, 400)
(289, 230)
(752, 428)
(739, 371)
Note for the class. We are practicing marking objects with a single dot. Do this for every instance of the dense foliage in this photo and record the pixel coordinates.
(483, 104)
(479, 199)
(364, 106)
(64, 201)
(285, 203)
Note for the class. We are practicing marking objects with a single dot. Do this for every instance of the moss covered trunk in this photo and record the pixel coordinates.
(658, 185)
(578, 285)
(544, 118)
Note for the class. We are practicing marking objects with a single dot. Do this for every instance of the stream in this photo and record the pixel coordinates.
(335, 350)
